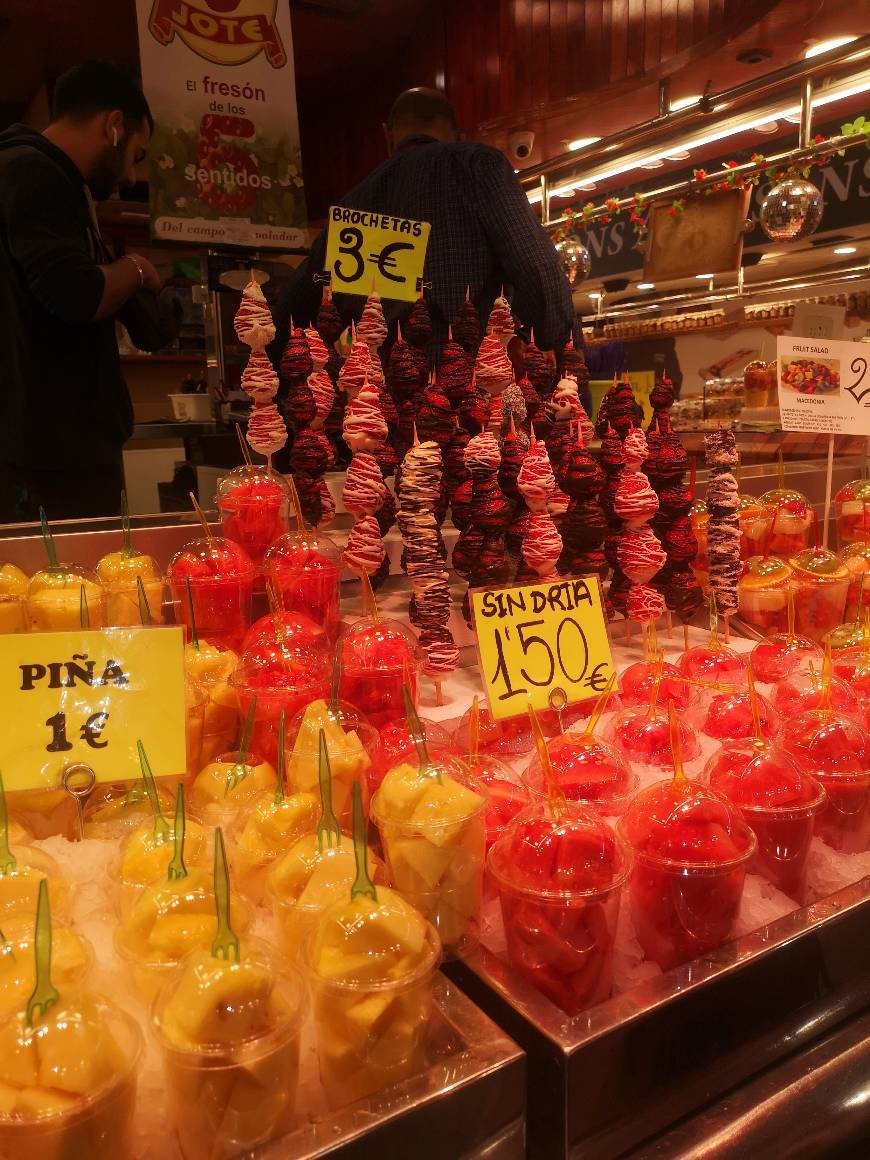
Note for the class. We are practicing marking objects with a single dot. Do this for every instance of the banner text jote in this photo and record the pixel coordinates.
(225, 163)
(540, 637)
(88, 697)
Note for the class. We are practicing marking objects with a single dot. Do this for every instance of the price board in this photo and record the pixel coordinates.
(366, 250)
(537, 638)
(87, 697)
(824, 385)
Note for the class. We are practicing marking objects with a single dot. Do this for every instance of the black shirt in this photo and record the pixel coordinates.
(63, 400)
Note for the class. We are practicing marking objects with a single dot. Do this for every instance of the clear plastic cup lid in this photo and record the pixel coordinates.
(763, 777)
(72, 957)
(421, 796)
(586, 769)
(688, 824)
(858, 489)
(372, 943)
(63, 577)
(256, 484)
(290, 664)
(336, 719)
(827, 744)
(646, 740)
(19, 884)
(13, 582)
(560, 852)
(145, 857)
(289, 626)
(311, 552)
(794, 502)
(821, 564)
(209, 663)
(214, 1003)
(124, 568)
(396, 740)
(386, 646)
(314, 873)
(210, 559)
(856, 553)
(510, 736)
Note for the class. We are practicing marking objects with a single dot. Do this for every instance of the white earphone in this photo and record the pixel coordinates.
(115, 137)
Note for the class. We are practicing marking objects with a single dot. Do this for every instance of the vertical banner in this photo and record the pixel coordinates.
(224, 158)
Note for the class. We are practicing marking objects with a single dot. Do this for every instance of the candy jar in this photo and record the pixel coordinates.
(13, 599)
(559, 871)
(305, 570)
(378, 657)
(778, 802)
(835, 749)
(853, 520)
(254, 504)
(212, 580)
(821, 584)
(132, 582)
(763, 594)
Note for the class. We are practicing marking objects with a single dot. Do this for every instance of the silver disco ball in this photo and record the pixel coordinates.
(576, 261)
(792, 210)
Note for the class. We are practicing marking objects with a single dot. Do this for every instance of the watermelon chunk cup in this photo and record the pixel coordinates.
(691, 849)
(802, 691)
(646, 741)
(781, 655)
(778, 802)
(713, 663)
(636, 685)
(377, 658)
(856, 558)
(729, 715)
(836, 751)
(254, 503)
(305, 572)
(292, 626)
(507, 793)
(821, 585)
(587, 770)
(559, 876)
(221, 578)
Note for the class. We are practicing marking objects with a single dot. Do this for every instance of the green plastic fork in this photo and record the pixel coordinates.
(327, 826)
(226, 943)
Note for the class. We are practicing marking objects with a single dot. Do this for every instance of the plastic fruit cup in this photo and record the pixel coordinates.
(13, 599)
(281, 676)
(305, 572)
(755, 522)
(371, 1031)
(779, 803)
(352, 746)
(725, 716)
(755, 383)
(510, 737)
(142, 860)
(836, 750)
(221, 579)
(54, 599)
(254, 504)
(856, 557)
(781, 655)
(376, 661)
(762, 594)
(95, 1123)
(72, 959)
(507, 790)
(289, 626)
(646, 741)
(211, 668)
(637, 682)
(849, 503)
(113, 811)
(220, 796)
(718, 665)
(588, 770)
(44, 812)
(437, 864)
(263, 832)
(19, 885)
(791, 524)
(821, 584)
(691, 850)
(396, 745)
(559, 878)
(118, 572)
(227, 1096)
(802, 691)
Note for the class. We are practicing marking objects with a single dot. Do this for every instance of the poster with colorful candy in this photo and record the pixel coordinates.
(824, 385)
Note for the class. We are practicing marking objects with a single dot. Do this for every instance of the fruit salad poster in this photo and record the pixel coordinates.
(225, 165)
(824, 385)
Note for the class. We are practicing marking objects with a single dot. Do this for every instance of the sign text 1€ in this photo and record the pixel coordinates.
(538, 638)
(87, 697)
(366, 250)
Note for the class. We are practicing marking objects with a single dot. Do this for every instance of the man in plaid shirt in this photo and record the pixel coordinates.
(484, 233)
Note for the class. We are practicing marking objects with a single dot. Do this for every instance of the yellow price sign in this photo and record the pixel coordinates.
(87, 697)
(366, 250)
(538, 638)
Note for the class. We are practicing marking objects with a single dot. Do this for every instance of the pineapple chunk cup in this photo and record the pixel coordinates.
(145, 858)
(72, 958)
(13, 599)
(44, 812)
(169, 920)
(432, 823)
(265, 831)
(19, 885)
(309, 878)
(227, 785)
(114, 811)
(211, 668)
(350, 743)
(371, 967)
(229, 1034)
(118, 572)
(68, 1084)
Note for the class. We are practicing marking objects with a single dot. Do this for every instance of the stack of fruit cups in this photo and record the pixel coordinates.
(559, 872)
(691, 850)
(431, 816)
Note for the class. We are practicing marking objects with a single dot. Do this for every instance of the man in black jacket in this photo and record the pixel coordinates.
(65, 411)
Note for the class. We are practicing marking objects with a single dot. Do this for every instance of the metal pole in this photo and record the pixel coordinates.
(806, 126)
(545, 200)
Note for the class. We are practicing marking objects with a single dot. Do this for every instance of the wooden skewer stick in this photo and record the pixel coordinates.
(201, 515)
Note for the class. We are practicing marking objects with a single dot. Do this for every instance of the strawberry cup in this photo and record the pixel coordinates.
(691, 849)
(220, 577)
(377, 659)
(778, 802)
(254, 503)
(305, 572)
(559, 875)
(836, 751)
(587, 770)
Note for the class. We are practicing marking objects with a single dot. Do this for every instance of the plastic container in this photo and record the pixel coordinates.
(118, 572)
(377, 660)
(19, 884)
(223, 788)
(91, 1052)
(44, 812)
(856, 558)
(432, 824)
(762, 594)
(54, 599)
(756, 383)
(713, 663)
(352, 748)
(724, 716)
(781, 655)
(821, 585)
(221, 577)
(371, 969)
(803, 690)
(507, 793)
(72, 958)
(636, 685)
(305, 571)
(13, 599)
(853, 522)
(691, 850)
(791, 525)
(559, 876)
(511, 737)
(396, 744)
(646, 741)
(588, 771)
(289, 626)
(144, 858)
(229, 1035)
(254, 505)
(114, 811)
(778, 802)
(211, 667)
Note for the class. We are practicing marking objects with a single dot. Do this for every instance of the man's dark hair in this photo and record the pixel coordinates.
(421, 105)
(98, 86)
